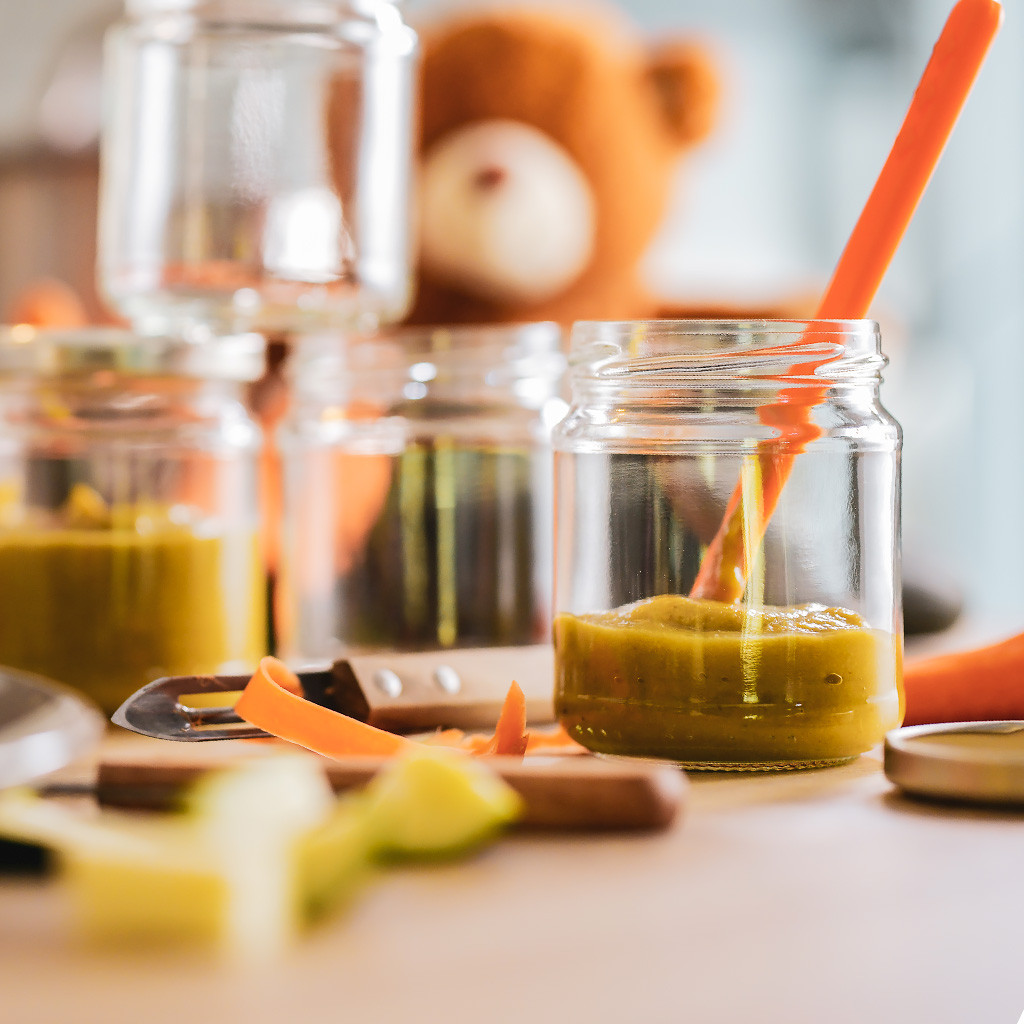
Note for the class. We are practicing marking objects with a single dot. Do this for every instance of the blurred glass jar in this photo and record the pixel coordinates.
(256, 164)
(805, 667)
(129, 543)
(417, 491)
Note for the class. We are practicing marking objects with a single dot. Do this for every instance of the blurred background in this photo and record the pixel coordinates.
(813, 94)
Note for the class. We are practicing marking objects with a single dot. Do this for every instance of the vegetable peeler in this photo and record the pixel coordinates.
(401, 692)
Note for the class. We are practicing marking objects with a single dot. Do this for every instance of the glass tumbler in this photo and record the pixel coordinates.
(256, 164)
(418, 491)
(129, 524)
(727, 543)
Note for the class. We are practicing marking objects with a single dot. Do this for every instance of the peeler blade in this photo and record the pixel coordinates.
(157, 710)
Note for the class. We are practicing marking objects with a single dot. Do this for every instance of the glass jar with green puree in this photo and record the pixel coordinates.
(129, 544)
(727, 543)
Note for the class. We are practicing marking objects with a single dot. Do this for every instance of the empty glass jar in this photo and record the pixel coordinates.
(256, 159)
(128, 515)
(780, 647)
(417, 494)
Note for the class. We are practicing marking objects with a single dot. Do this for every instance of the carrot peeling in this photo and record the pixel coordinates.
(510, 738)
(557, 741)
(510, 735)
(271, 701)
(445, 738)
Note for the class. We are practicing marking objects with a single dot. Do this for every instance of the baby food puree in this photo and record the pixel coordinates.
(716, 685)
(108, 599)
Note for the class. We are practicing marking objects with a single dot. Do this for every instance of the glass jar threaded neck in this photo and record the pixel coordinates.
(668, 356)
(523, 363)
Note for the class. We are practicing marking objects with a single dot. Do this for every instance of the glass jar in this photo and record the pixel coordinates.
(793, 657)
(417, 493)
(128, 512)
(256, 164)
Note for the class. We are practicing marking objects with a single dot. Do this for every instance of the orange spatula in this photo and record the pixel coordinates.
(940, 96)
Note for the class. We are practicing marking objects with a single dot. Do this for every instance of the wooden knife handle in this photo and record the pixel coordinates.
(460, 688)
(568, 793)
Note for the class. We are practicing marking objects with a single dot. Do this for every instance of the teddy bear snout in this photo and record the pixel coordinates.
(506, 214)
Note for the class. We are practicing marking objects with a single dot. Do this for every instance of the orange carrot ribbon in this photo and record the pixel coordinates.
(510, 735)
(272, 701)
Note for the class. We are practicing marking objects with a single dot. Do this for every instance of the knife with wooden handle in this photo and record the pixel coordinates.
(458, 688)
(559, 793)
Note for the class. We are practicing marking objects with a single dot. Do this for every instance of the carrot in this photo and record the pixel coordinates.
(551, 741)
(361, 484)
(48, 302)
(271, 700)
(556, 742)
(445, 738)
(476, 744)
(984, 684)
(510, 735)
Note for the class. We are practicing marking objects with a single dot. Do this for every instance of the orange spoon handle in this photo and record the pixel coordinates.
(940, 96)
(945, 84)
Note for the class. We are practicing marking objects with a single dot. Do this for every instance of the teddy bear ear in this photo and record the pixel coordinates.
(686, 85)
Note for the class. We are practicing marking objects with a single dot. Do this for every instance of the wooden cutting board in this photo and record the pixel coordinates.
(578, 792)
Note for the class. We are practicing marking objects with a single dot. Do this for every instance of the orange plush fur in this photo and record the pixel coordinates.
(623, 113)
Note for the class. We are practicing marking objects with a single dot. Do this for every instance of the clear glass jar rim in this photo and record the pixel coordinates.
(58, 352)
(666, 352)
(586, 332)
(459, 350)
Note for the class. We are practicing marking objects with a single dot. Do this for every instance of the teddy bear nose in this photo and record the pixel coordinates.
(506, 213)
(489, 177)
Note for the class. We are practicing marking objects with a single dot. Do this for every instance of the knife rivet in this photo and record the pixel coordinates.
(447, 678)
(387, 682)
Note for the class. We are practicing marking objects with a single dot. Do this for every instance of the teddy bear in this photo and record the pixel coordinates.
(549, 141)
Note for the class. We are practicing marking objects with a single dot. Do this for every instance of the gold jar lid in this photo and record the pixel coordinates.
(974, 762)
(59, 352)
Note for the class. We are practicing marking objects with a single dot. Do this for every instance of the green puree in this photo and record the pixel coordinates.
(706, 683)
(107, 607)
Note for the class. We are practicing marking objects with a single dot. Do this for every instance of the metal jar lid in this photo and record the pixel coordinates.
(50, 352)
(975, 762)
(43, 726)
